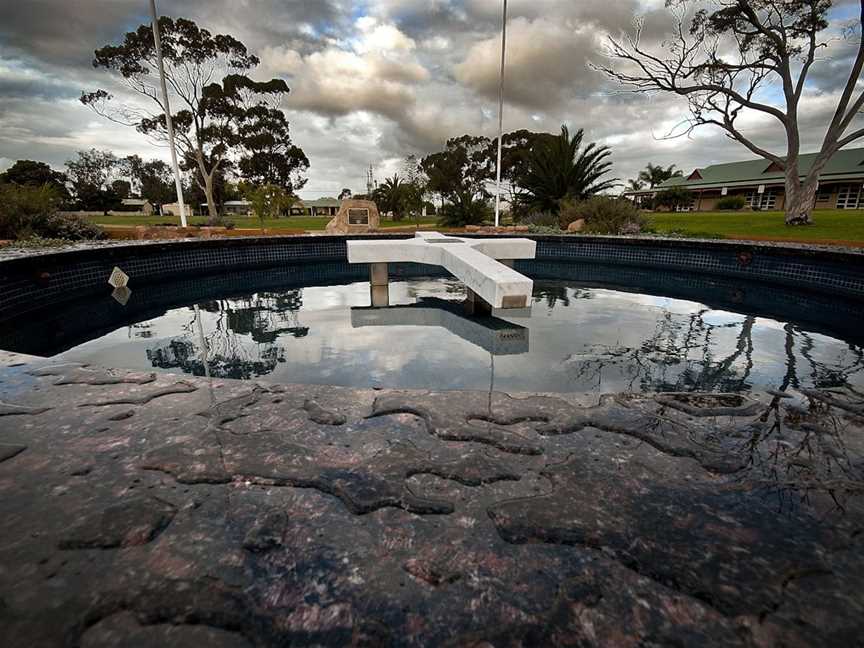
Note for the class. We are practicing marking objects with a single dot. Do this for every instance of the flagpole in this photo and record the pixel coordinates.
(500, 117)
(177, 180)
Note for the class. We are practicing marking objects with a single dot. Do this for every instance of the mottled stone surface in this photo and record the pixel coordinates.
(155, 510)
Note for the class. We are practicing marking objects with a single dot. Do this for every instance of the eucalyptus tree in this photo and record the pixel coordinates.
(91, 174)
(516, 148)
(31, 173)
(224, 115)
(153, 180)
(736, 58)
(460, 174)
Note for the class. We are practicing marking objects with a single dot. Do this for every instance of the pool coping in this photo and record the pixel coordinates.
(13, 254)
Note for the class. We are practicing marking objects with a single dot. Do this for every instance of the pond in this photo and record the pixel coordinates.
(581, 335)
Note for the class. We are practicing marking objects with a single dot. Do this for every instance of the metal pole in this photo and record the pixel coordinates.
(177, 181)
(500, 117)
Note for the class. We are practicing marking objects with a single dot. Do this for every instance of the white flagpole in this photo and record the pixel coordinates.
(177, 181)
(500, 117)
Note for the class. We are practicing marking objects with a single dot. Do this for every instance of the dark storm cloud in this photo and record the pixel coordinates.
(373, 81)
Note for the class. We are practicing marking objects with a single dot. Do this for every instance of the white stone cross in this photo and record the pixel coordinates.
(472, 261)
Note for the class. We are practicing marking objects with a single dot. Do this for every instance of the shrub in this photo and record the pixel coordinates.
(673, 198)
(27, 211)
(23, 209)
(604, 215)
(731, 203)
(71, 228)
(474, 213)
(541, 219)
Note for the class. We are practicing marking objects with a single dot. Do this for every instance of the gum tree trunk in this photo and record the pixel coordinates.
(799, 202)
(207, 187)
(211, 201)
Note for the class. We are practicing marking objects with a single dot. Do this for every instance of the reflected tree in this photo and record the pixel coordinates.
(243, 339)
(688, 353)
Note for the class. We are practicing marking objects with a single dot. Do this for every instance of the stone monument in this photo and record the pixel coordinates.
(355, 217)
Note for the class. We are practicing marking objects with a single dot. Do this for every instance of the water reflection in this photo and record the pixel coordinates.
(576, 338)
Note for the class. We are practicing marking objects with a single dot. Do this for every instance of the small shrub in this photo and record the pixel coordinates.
(475, 213)
(27, 212)
(731, 203)
(37, 242)
(70, 227)
(544, 229)
(546, 220)
(673, 198)
(604, 215)
(23, 209)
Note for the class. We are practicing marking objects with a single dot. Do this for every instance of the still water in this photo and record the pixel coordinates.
(576, 338)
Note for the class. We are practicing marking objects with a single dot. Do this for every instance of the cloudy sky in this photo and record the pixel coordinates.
(373, 81)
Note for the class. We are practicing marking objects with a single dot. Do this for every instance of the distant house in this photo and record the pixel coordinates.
(320, 207)
(237, 207)
(231, 208)
(761, 183)
(173, 209)
(137, 205)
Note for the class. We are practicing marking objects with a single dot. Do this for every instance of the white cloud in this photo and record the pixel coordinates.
(546, 63)
(400, 77)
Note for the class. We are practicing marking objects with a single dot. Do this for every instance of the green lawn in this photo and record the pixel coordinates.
(833, 226)
(292, 223)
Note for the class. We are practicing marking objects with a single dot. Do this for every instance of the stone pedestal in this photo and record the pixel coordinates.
(475, 304)
(380, 296)
(378, 274)
(355, 217)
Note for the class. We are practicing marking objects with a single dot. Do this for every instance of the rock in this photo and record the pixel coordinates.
(123, 629)
(267, 533)
(323, 416)
(576, 226)
(355, 217)
(134, 521)
(9, 450)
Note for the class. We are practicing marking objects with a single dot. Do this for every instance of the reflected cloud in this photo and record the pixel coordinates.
(583, 338)
(493, 335)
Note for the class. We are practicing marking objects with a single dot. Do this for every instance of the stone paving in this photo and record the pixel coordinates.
(158, 510)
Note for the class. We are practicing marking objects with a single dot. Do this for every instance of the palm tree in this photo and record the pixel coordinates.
(559, 167)
(658, 174)
(390, 196)
(635, 185)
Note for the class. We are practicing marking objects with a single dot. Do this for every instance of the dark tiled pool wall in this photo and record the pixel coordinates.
(821, 313)
(799, 267)
(37, 281)
(31, 283)
(60, 327)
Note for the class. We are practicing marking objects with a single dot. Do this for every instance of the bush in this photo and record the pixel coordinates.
(673, 198)
(23, 209)
(71, 228)
(604, 215)
(731, 203)
(545, 220)
(27, 211)
(474, 213)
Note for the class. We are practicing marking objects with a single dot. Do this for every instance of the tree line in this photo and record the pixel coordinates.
(226, 124)
(98, 180)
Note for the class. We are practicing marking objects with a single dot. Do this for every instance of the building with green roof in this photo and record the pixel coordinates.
(761, 183)
(319, 207)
